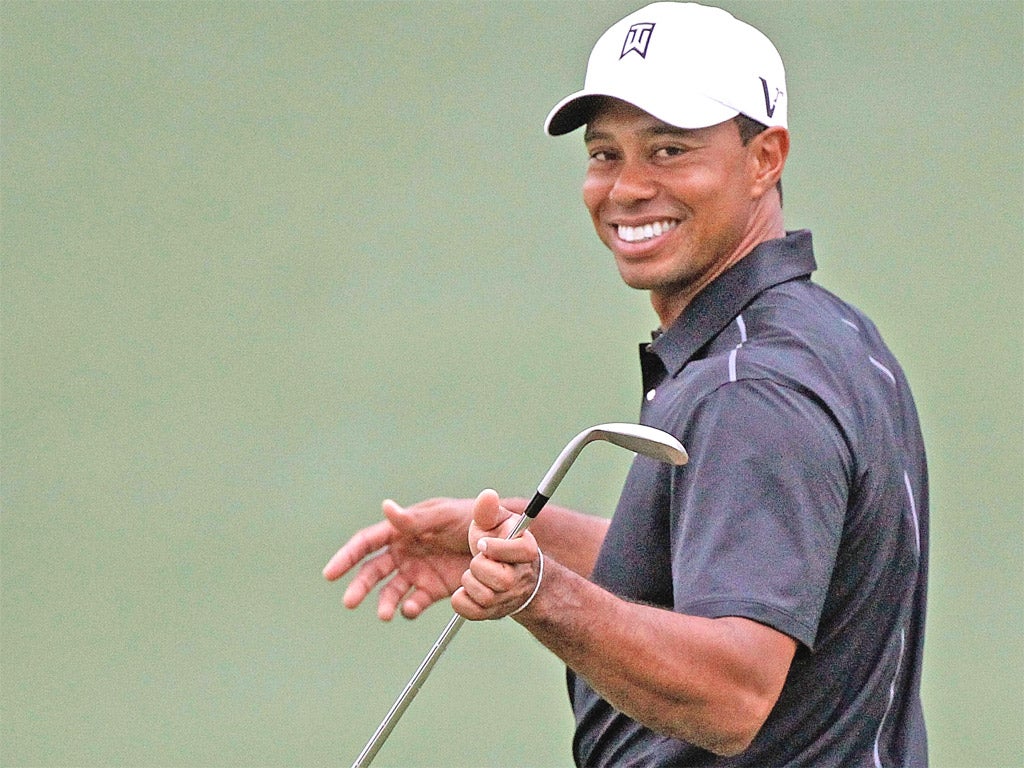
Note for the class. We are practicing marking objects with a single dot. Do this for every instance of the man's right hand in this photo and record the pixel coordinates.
(424, 549)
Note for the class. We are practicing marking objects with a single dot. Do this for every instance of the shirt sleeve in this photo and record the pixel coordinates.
(757, 514)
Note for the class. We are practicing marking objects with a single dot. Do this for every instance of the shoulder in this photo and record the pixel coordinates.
(803, 336)
(800, 338)
(796, 334)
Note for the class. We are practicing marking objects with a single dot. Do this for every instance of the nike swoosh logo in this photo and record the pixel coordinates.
(769, 103)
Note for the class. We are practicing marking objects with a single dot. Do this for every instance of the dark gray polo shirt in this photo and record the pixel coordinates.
(804, 507)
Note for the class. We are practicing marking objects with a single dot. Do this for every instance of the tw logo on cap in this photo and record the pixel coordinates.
(637, 39)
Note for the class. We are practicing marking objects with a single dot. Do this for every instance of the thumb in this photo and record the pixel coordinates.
(393, 512)
(488, 513)
(401, 518)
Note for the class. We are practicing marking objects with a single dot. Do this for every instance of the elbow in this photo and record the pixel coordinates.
(732, 734)
(732, 745)
(730, 742)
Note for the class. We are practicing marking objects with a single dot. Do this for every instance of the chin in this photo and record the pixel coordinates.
(641, 279)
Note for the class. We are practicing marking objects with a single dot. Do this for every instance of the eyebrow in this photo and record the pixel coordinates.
(653, 131)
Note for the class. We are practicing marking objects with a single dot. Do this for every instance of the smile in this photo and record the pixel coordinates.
(647, 231)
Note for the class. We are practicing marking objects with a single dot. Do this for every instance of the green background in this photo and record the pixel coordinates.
(265, 264)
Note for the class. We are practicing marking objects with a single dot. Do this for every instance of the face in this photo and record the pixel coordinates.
(676, 207)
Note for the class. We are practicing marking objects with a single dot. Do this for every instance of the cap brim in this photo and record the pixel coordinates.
(695, 111)
(571, 112)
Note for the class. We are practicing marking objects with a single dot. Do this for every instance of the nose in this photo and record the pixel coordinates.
(633, 184)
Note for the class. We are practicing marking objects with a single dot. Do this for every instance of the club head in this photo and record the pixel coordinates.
(638, 438)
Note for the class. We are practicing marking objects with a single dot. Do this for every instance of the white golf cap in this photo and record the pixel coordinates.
(686, 64)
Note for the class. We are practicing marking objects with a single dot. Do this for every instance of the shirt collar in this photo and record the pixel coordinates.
(771, 263)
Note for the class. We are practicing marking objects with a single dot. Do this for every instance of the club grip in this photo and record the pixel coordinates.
(536, 505)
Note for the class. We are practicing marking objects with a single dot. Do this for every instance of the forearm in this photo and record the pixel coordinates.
(571, 538)
(706, 681)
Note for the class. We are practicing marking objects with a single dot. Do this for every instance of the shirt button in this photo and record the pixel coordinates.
(651, 394)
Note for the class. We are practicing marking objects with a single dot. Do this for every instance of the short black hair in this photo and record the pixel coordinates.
(749, 128)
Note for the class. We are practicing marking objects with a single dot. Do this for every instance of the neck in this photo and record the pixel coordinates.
(669, 302)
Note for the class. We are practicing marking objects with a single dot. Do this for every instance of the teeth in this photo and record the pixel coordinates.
(647, 231)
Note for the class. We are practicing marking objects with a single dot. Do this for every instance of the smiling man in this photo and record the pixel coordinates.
(764, 604)
(678, 207)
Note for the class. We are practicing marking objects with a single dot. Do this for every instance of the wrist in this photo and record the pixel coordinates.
(536, 588)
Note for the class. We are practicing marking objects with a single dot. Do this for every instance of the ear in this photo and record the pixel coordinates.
(768, 152)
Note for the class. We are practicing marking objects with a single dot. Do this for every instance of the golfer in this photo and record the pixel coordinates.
(763, 605)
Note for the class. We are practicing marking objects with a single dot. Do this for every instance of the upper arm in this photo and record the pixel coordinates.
(758, 512)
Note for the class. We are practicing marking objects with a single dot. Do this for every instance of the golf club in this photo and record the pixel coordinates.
(634, 437)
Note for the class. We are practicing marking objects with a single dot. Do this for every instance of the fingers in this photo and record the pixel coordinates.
(499, 564)
(417, 603)
(499, 579)
(370, 575)
(363, 543)
(518, 550)
(391, 595)
(477, 601)
(422, 549)
(369, 540)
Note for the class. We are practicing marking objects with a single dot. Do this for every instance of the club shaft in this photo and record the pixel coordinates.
(423, 671)
(409, 693)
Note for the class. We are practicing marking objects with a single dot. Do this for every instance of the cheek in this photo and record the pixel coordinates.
(711, 194)
(591, 198)
(696, 184)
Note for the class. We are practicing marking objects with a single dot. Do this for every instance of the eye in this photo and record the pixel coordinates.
(671, 150)
(601, 155)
